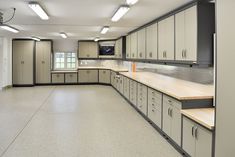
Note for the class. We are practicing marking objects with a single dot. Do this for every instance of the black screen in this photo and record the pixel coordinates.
(106, 50)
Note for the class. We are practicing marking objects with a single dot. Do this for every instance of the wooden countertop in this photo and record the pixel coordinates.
(64, 71)
(177, 88)
(101, 68)
(203, 116)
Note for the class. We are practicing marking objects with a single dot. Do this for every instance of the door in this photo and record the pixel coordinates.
(151, 41)
(93, 76)
(83, 76)
(166, 39)
(82, 49)
(203, 142)
(141, 43)
(191, 34)
(176, 125)
(58, 78)
(17, 62)
(188, 143)
(134, 45)
(128, 46)
(166, 126)
(71, 77)
(93, 49)
(180, 35)
(104, 76)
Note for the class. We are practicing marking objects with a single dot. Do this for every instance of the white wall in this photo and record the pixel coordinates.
(225, 99)
(65, 45)
(5, 62)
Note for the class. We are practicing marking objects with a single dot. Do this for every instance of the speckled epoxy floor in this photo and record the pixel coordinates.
(75, 121)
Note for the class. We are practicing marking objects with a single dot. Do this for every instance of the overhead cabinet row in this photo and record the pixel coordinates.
(186, 36)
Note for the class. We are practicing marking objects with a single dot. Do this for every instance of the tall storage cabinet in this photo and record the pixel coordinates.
(23, 57)
(43, 62)
(166, 40)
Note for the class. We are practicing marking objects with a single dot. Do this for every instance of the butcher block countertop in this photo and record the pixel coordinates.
(177, 88)
(203, 116)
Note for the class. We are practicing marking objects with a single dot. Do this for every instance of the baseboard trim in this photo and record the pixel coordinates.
(6, 87)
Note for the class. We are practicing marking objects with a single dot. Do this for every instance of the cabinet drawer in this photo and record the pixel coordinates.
(155, 115)
(58, 78)
(172, 101)
(154, 93)
(71, 78)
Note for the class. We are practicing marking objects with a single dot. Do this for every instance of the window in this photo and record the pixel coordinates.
(65, 60)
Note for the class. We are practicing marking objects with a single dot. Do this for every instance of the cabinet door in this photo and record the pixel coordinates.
(71, 78)
(142, 98)
(166, 125)
(104, 76)
(83, 76)
(93, 50)
(188, 143)
(133, 92)
(134, 45)
(141, 43)
(126, 86)
(93, 76)
(128, 46)
(17, 52)
(121, 88)
(191, 34)
(203, 142)
(120, 48)
(117, 49)
(57, 78)
(166, 39)
(180, 35)
(176, 125)
(88, 50)
(151, 41)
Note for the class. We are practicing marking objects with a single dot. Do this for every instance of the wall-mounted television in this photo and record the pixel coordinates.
(106, 48)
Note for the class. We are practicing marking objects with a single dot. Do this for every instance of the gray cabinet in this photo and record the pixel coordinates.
(71, 77)
(118, 48)
(23, 67)
(155, 106)
(141, 35)
(172, 118)
(134, 45)
(133, 92)
(43, 62)
(87, 49)
(142, 98)
(57, 78)
(152, 41)
(104, 76)
(126, 87)
(88, 76)
(197, 140)
(119, 83)
(166, 40)
(128, 46)
(113, 79)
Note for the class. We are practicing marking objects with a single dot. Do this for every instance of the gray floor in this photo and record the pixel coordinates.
(75, 121)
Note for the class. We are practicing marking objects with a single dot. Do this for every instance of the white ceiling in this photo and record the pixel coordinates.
(82, 19)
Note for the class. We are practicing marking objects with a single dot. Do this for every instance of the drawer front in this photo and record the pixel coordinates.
(142, 98)
(154, 93)
(155, 115)
(57, 78)
(71, 78)
(104, 76)
(172, 101)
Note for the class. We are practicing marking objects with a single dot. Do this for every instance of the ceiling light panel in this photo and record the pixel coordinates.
(104, 30)
(9, 28)
(131, 2)
(122, 10)
(36, 7)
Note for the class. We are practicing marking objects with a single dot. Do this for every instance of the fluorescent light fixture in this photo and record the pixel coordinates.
(122, 10)
(131, 2)
(63, 35)
(38, 10)
(96, 39)
(104, 30)
(9, 28)
(36, 38)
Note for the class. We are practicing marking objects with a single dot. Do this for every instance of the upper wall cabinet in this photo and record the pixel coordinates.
(118, 48)
(87, 49)
(194, 28)
(141, 43)
(166, 39)
(128, 47)
(152, 41)
(134, 45)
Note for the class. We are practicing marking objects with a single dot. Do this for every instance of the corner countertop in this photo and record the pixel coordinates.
(117, 69)
(203, 116)
(177, 88)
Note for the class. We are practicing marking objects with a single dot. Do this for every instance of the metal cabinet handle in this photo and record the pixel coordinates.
(152, 110)
(140, 106)
(169, 101)
(168, 111)
(104, 72)
(193, 131)
(57, 75)
(71, 75)
(196, 132)
(150, 54)
(171, 112)
(127, 55)
(22, 62)
(185, 53)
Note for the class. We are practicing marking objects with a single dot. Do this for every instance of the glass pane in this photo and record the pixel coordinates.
(73, 54)
(62, 65)
(69, 54)
(68, 65)
(57, 65)
(57, 60)
(69, 59)
(62, 60)
(73, 60)
(73, 65)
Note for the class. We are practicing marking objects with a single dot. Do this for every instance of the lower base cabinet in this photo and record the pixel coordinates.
(197, 140)
(133, 92)
(71, 77)
(155, 107)
(172, 118)
(57, 78)
(126, 87)
(142, 98)
(88, 76)
(104, 76)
